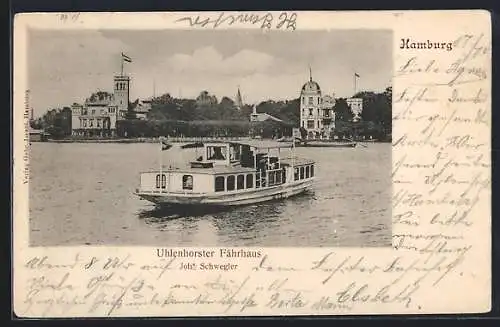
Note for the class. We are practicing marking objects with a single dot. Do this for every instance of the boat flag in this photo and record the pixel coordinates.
(126, 58)
(356, 74)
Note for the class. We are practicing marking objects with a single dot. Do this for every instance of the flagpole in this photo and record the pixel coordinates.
(354, 85)
(161, 165)
(122, 66)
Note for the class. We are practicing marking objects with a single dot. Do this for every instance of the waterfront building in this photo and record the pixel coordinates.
(100, 112)
(261, 117)
(141, 108)
(317, 116)
(356, 105)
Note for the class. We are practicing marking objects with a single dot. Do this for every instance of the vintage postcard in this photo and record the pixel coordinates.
(251, 163)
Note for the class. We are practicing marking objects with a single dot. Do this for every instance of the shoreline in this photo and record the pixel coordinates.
(172, 140)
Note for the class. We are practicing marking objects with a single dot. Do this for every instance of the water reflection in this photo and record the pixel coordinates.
(227, 220)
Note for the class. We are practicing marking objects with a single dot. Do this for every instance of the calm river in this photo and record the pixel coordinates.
(82, 193)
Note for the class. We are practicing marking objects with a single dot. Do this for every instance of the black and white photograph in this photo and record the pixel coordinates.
(226, 138)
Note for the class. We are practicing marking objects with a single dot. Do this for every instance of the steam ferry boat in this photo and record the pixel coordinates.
(228, 174)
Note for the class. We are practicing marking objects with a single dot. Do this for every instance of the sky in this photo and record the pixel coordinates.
(67, 66)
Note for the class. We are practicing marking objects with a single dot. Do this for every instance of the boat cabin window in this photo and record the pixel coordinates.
(296, 174)
(230, 183)
(161, 181)
(219, 184)
(235, 153)
(301, 172)
(187, 182)
(272, 178)
(307, 171)
(312, 170)
(249, 180)
(240, 182)
(216, 153)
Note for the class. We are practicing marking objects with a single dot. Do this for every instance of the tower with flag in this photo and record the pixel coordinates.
(121, 89)
(356, 103)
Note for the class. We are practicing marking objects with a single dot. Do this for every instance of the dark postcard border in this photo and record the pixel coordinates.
(19, 6)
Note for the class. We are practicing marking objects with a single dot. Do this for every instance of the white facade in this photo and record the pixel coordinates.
(316, 111)
(356, 105)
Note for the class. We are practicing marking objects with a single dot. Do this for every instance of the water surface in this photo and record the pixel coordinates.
(82, 193)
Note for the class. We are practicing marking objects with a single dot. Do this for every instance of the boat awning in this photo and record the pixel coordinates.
(257, 144)
(264, 144)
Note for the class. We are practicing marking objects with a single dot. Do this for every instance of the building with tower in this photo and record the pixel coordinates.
(316, 111)
(100, 112)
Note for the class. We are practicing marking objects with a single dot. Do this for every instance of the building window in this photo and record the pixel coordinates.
(249, 180)
(310, 112)
(230, 183)
(318, 112)
(283, 176)
(301, 172)
(187, 182)
(312, 170)
(296, 174)
(303, 100)
(310, 124)
(326, 113)
(98, 123)
(93, 111)
(91, 123)
(307, 171)
(161, 181)
(219, 184)
(310, 100)
(85, 123)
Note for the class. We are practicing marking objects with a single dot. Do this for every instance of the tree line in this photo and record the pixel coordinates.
(208, 116)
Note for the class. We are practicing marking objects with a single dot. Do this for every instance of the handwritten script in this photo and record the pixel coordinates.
(117, 285)
(283, 21)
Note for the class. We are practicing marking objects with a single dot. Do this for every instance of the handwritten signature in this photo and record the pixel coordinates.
(285, 21)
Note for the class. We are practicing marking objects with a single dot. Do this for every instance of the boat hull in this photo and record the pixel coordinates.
(229, 198)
